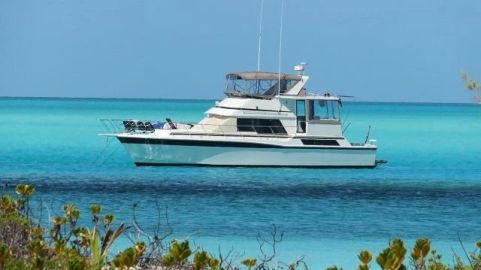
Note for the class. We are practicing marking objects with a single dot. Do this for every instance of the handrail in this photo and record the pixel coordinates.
(193, 124)
(116, 126)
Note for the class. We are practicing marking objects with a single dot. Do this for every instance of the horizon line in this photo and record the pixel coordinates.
(214, 99)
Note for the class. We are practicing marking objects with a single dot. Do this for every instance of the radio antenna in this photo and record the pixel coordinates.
(260, 36)
(280, 46)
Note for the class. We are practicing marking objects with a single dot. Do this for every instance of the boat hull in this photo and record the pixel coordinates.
(189, 153)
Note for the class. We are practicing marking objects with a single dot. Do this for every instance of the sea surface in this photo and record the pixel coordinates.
(431, 185)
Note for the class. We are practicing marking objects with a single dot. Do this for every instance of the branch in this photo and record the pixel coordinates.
(465, 252)
(271, 242)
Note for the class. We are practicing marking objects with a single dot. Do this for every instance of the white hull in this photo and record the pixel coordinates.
(211, 155)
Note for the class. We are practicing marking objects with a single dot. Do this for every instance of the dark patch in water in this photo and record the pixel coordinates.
(350, 190)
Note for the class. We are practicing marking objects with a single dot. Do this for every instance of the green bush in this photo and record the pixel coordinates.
(25, 245)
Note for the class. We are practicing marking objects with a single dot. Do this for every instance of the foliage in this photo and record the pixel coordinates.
(469, 83)
(419, 253)
(434, 263)
(63, 244)
(472, 85)
(15, 233)
(178, 253)
(249, 263)
(129, 257)
(202, 260)
(365, 258)
(392, 257)
(24, 190)
(4, 255)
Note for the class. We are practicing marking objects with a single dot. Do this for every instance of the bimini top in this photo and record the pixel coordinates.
(258, 84)
(262, 75)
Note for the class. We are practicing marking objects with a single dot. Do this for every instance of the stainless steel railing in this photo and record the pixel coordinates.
(117, 126)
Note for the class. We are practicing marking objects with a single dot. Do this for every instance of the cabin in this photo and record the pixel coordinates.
(272, 104)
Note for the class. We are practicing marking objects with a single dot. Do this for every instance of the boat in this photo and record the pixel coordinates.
(266, 119)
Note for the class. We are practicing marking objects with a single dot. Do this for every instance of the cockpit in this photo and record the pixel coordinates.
(262, 85)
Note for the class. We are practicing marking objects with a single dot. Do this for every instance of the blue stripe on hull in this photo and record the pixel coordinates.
(131, 140)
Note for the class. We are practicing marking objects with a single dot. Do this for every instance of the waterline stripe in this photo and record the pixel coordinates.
(132, 140)
(255, 166)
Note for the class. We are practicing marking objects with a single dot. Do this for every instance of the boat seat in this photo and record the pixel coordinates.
(140, 126)
(171, 124)
(129, 125)
(149, 127)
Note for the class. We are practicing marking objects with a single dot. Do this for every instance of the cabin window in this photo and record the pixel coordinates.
(320, 142)
(323, 109)
(260, 126)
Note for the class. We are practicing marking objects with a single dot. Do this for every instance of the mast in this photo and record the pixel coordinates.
(280, 46)
(260, 36)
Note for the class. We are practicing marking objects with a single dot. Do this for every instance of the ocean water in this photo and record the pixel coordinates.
(431, 185)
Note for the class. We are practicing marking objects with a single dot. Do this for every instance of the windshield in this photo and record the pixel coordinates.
(257, 88)
(324, 109)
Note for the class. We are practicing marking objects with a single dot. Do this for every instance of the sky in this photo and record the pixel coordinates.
(375, 50)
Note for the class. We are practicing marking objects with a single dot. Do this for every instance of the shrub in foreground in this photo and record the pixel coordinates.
(25, 243)
(64, 244)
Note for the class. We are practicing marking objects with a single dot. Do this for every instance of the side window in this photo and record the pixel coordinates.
(260, 126)
(323, 109)
(244, 124)
(276, 126)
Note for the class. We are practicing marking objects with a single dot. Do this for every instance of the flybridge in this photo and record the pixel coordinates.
(259, 84)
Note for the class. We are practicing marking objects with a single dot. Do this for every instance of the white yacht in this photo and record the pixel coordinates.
(266, 119)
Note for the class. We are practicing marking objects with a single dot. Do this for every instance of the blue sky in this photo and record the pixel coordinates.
(376, 50)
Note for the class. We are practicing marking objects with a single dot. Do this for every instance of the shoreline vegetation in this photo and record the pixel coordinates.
(472, 86)
(26, 243)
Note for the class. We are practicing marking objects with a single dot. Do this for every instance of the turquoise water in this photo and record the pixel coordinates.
(430, 187)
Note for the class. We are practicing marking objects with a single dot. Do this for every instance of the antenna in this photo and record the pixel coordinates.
(280, 46)
(368, 134)
(300, 68)
(260, 36)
